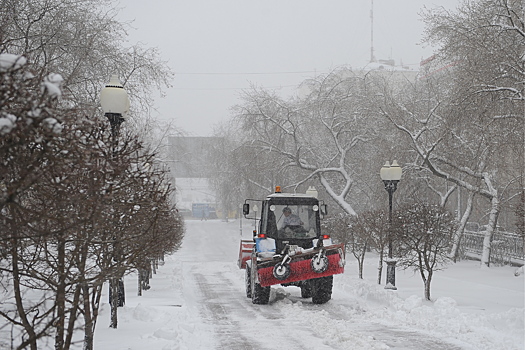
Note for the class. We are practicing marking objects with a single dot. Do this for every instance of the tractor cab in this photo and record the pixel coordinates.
(290, 219)
(287, 219)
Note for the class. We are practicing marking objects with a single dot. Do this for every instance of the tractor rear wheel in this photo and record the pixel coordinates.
(260, 295)
(248, 282)
(322, 289)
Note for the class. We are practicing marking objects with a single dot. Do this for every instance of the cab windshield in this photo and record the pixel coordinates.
(290, 221)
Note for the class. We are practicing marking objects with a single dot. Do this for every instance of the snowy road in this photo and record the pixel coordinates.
(197, 301)
(238, 324)
(218, 284)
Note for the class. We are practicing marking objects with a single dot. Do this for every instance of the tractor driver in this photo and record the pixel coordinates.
(290, 219)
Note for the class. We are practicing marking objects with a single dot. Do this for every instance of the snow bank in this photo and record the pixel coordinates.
(440, 318)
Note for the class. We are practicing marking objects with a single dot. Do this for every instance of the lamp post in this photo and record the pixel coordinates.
(390, 174)
(115, 104)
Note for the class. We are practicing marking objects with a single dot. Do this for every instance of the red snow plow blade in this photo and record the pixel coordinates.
(245, 253)
(301, 268)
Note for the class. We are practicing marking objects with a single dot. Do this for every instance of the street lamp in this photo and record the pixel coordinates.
(115, 104)
(390, 174)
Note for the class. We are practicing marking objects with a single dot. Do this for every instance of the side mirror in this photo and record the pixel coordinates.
(246, 209)
(324, 209)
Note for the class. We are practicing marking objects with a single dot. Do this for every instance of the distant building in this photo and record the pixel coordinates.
(189, 166)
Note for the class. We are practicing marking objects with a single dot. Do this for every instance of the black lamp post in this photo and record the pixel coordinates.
(115, 104)
(390, 174)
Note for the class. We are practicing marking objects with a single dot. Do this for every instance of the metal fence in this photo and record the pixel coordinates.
(506, 248)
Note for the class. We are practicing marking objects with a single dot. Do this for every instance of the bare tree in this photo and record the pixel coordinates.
(425, 234)
(462, 120)
(484, 40)
(324, 137)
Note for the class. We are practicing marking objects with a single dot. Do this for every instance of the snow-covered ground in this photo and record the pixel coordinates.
(197, 301)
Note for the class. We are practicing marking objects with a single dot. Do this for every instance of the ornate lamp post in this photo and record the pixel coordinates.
(390, 174)
(115, 104)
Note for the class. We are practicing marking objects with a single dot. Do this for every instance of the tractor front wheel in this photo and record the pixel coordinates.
(322, 289)
(306, 289)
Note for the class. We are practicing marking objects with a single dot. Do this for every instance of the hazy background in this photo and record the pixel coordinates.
(219, 47)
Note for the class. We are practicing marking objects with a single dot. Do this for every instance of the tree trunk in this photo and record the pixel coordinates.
(454, 252)
(139, 278)
(361, 261)
(72, 317)
(31, 335)
(60, 300)
(113, 286)
(95, 305)
(88, 320)
(427, 285)
(91, 305)
(487, 240)
(380, 267)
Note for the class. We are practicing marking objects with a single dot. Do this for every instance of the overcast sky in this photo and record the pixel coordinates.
(219, 47)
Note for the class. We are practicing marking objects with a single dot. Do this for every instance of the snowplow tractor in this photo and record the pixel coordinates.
(289, 248)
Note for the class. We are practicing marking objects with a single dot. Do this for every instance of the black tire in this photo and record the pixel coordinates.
(248, 282)
(322, 289)
(260, 295)
(306, 289)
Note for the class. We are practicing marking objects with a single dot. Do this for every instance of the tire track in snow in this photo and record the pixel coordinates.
(215, 311)
(241, 325)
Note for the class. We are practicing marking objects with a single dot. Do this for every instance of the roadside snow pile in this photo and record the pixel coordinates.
(441, 318)
(374, 318)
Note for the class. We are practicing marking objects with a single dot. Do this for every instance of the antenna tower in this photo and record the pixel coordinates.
(372, 58)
